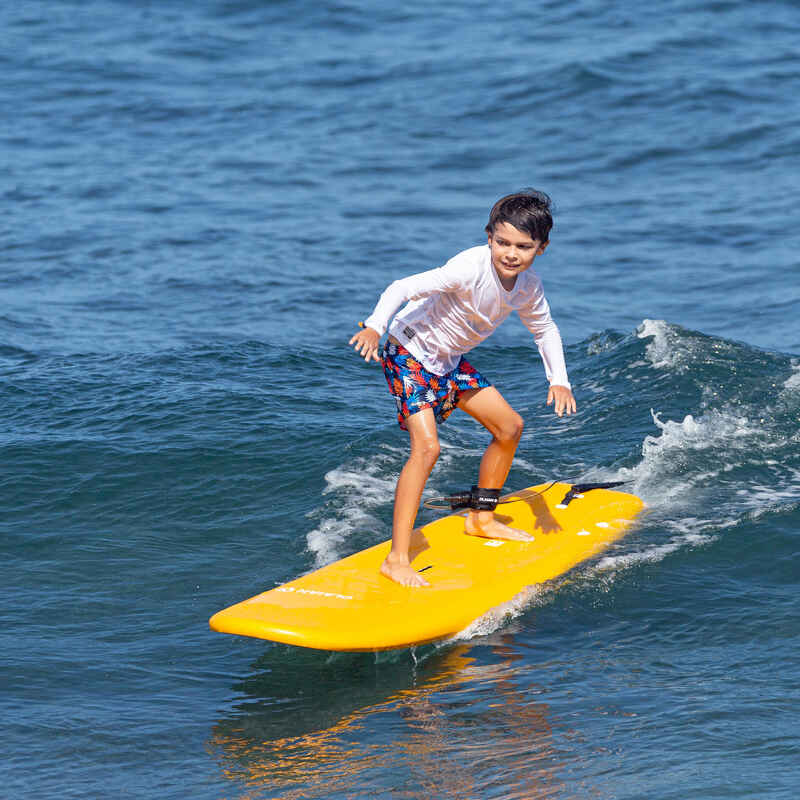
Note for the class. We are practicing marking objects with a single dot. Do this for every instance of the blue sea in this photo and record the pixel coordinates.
(200, 201)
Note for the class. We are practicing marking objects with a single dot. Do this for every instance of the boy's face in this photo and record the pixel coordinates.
(513, 251)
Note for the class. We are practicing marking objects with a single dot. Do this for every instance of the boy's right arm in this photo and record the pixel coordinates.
(397, 294)
(366, 342)
(448, 278)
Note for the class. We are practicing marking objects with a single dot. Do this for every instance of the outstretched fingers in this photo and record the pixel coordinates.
(366, 342)
(563, 399)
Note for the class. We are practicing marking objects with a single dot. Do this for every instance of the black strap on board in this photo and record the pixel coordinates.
(582, 488)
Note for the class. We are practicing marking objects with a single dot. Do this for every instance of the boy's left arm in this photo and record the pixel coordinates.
(563, 398)
(538, 321)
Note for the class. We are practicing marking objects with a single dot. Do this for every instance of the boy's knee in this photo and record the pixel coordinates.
(427, 450)
(511, 430)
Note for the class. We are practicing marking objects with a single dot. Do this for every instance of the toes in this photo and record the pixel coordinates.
(404, 576)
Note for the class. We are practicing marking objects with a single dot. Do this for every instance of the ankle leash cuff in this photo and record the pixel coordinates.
(476, 498)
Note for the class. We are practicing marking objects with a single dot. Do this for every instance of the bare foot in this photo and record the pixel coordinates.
(404, 574)
(483, 523)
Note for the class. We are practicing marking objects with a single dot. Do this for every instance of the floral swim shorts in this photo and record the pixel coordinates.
(414, 388)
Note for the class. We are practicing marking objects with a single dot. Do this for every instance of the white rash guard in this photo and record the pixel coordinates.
(451, 309)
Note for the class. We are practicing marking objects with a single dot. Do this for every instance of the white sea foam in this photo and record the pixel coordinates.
(674, 475)
(792, 383)
(668, 475)
(355, 492)
(499, 616)
(758, 499)
(648, 555)
(661, 351)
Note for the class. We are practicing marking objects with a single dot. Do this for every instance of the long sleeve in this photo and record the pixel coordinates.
(545, 332)
(414, 287)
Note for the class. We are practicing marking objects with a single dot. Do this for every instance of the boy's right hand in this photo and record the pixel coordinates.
(366, 343)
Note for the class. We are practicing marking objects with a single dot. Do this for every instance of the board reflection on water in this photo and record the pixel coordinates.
(450, 725)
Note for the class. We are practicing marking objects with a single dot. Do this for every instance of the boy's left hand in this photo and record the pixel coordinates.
(564, 400)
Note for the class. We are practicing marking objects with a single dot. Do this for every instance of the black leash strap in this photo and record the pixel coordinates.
(477, 498)
(582, 488)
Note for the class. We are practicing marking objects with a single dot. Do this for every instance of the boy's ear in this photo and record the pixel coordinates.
(543, 247)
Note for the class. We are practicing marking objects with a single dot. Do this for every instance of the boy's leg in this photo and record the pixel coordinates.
(424, 452)
(490, 408)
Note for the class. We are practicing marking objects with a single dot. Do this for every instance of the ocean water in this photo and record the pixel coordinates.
(200, 201)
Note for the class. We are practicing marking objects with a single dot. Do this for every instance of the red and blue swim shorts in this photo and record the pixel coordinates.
(414, 388)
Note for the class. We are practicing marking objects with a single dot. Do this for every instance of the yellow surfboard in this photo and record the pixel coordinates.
(349, 605)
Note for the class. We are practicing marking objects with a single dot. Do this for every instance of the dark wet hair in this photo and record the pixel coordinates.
(528, 211)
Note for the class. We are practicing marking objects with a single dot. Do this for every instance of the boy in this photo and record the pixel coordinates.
(448, 311)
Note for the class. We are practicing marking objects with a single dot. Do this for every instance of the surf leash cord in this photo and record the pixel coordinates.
(488, 499)
(476, 498)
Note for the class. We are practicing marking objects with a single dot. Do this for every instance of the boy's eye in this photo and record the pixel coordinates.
(504, 243)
